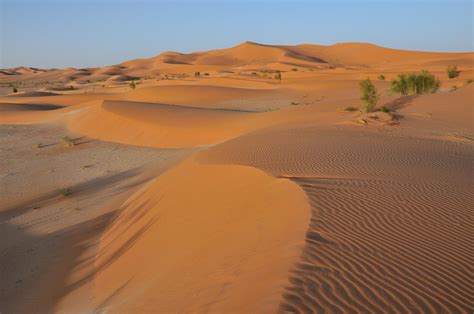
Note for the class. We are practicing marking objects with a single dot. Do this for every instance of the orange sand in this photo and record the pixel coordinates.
(287, 203)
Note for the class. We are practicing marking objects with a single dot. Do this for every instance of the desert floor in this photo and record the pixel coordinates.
(211, 186)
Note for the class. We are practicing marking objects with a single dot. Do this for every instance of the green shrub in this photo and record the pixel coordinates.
(415, 84)
(381, 77)
(452, 71)
(369, 95)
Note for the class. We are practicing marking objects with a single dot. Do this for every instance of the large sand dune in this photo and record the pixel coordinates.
(247, 194)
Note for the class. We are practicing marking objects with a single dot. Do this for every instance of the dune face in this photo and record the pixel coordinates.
(388, 232)
(204, 183)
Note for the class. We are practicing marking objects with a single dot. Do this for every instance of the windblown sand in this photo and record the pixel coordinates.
(235, 192)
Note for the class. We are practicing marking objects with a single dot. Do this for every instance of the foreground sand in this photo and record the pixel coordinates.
(235, 192)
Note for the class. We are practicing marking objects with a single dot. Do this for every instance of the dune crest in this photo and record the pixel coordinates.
(230, 239)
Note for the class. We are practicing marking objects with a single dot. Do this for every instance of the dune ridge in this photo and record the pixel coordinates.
(377, 230)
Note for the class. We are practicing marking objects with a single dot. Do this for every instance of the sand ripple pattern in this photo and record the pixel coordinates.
(391, 228)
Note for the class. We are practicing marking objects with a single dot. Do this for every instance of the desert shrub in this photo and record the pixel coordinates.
(206, 74)
(350, 109)
(15, 90)
(278, 76)
(385, 109)
(381, 77)
(132, 85)
(452, 71)
(415, 84)
(469, 81)
(67, 141)
(369, 95)
(294, 69)
(197, 74)
(294, 103)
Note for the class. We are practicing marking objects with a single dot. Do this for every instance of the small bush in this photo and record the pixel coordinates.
(294, 69)
(385, 109)
(132, 85)
(293, 103)
(381, 77)
(469, 81)
(369, 95)
(278, 76)
(350, 109)
(206, 74)
(452, 71)
(197, 74)
(67, 141)
(415, 84)
(15, 90)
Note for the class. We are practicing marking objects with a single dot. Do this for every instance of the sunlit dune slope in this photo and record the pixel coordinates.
(202, 238)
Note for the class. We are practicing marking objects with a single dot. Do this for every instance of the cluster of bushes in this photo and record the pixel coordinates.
(453, 71)
(406, 84)
(415, 84)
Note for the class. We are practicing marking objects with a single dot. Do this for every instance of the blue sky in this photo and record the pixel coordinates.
(54, 33)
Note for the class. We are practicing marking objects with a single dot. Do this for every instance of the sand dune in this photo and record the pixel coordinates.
(286, 201)
(388, 232)
(243, 199)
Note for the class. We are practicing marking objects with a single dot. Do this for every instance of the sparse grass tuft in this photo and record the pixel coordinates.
(351, 109)
(385, 108)
(39, 145)
(469, 81)
(278, 76)
(65, 192)
(452, 71)
(369, 95)
(415, 84)
(67, 141)
(381, 77)
(132, 85)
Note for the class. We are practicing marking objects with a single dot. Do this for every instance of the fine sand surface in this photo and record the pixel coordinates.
(230, 191)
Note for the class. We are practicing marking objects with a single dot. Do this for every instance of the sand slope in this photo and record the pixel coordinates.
(191, 245)
(389, 232)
